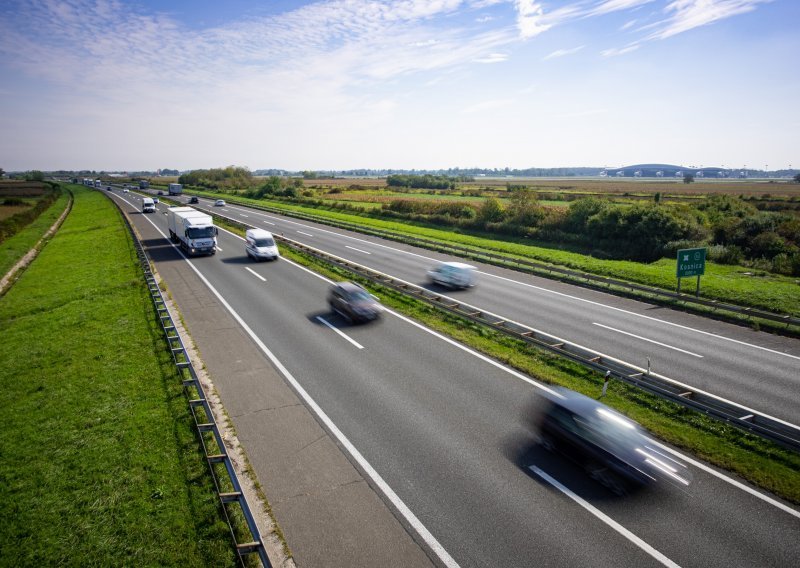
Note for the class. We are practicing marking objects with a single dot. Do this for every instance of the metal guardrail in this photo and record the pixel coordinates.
(763, 425)
(204, 423)
(539, 268)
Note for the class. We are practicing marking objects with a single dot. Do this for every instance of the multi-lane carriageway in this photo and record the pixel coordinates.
(444, 431)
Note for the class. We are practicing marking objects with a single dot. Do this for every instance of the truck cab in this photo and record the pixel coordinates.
(148, 205)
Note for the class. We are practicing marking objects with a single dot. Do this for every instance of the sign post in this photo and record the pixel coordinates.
(691, 262)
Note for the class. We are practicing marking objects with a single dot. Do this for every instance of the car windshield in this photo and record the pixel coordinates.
(201, 233)
(265, 243)
(359, 296)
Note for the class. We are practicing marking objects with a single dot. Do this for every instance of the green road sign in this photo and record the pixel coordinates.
(691, 262)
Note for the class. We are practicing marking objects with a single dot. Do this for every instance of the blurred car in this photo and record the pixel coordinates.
(613, 449)
(260, 245)
(455, 275)
(155, 199)
(160, 193)
(193, 199)
(219, 203)
(353, 302)
(125, 191)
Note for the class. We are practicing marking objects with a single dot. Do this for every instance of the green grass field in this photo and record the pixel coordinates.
(100, 465)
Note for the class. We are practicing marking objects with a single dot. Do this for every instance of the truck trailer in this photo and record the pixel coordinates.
(144, 184)
(193, 230)
(175, 189)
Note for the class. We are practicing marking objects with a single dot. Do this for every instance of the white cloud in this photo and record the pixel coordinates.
(487, 105)
(626, 25)
(492, 58)
(562, 52)
(530, 18)
(616, 51)
(690, 14)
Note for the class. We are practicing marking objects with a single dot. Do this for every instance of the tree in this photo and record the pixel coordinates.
(489, 212)
(2, 173)
(796, 178)
(688, 178)
(34, 175)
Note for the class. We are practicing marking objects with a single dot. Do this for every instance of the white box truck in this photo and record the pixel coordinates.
(148, 205)
(175, 189)
(193, 229)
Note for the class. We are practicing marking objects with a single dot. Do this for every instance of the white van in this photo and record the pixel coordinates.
(453, 275)
(259, 245)
(148, 206)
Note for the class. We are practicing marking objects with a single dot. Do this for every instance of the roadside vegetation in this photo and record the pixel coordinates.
(100, 463)
(22, 226)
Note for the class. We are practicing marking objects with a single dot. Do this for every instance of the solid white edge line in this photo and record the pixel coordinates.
(340, 332)
(735, 483)
(384, 487)
(646, 339)
(723, 477)
(606, 519)
(254, 273)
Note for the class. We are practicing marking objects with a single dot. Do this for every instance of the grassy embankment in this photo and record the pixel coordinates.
(100, 465)
(15, 247)
(732, 284)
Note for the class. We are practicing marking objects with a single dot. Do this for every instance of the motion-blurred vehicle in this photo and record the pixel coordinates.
(455, 275)
(353, 302)
(260, 245)
(193, 199)
(219, 203)
(125, 190)
(160, 192)
(615, 451)
(155, 200)
(148, 205)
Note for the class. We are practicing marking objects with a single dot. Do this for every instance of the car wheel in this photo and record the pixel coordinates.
(607, 478)
(547, 442)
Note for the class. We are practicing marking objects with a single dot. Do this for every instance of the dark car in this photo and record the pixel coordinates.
(193, 199)
(353, 302)
(613, 449)
(161, 193)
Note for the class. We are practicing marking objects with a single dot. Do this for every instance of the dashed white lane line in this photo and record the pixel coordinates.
(348, 338)
(256, 274)
(355, 249)
(606, 519)
(268, 222)
(306, 234)
(645, 339)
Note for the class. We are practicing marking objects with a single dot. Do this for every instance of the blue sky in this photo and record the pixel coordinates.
(341, 84)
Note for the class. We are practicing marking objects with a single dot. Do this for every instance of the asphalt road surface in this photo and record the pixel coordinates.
(443, 432)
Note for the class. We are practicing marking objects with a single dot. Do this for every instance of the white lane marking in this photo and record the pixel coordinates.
(243, 215)
(219, 249)
(606, 519)
(355, 249)
(648, 340)
(306, 234)
(723, 338)
(267, 222)
(254, 273)
(340, 332)
(730, 480)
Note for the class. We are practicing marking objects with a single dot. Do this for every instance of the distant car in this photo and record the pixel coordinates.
(155, 199)
(161, 193)
(125, 190)
(219, 203)
(455, 275)
(353, 302)
(260, 245)
(193, 199)
(612, 448)
(109, 188)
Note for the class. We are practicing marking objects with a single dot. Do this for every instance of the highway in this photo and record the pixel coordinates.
(755, 369)
(446, 429)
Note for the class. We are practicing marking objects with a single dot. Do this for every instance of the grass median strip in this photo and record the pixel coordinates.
(100, 465)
